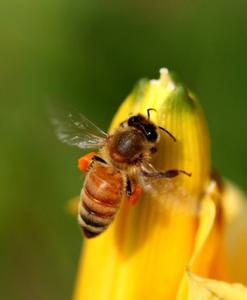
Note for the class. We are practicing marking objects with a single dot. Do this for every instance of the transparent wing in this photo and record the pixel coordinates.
(167, 190)
(76, 130)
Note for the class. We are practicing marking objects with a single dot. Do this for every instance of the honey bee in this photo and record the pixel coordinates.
(114, 172)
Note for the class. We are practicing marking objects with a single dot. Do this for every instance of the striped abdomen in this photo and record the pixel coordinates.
(100, 198)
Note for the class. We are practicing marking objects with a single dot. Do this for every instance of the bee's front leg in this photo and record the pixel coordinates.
(166, 174)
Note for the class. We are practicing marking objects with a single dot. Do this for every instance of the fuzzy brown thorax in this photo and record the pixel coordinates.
(128, 146)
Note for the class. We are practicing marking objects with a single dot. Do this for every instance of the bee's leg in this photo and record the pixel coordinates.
(133, 191)
(134, 197)
(166, 174)
(84, 161)
(99, 159)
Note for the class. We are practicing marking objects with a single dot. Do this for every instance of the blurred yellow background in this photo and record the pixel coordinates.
(90, 54)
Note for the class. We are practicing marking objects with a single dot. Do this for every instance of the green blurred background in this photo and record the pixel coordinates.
(90, 53)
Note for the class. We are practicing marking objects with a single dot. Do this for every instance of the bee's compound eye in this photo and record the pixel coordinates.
(132, 121)
(150, 132)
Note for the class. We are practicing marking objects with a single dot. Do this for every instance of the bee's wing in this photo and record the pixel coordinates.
(168, 190)
(76, 130)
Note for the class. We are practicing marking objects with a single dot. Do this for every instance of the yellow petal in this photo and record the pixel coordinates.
(205, 289)
(235, 211)
(208, 257)
(145, 250)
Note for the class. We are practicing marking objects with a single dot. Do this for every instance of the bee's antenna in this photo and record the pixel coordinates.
(148, 111)
(166, 131)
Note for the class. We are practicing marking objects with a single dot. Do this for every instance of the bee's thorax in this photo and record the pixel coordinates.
(126, 146)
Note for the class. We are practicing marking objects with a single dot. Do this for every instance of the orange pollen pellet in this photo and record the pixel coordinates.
(84, 161)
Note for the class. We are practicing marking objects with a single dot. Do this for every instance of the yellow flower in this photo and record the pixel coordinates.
(166, 246)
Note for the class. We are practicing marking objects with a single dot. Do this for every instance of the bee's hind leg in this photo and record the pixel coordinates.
(84, 161)
(133, 191)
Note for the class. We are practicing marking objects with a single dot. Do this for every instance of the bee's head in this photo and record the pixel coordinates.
(148, 129)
